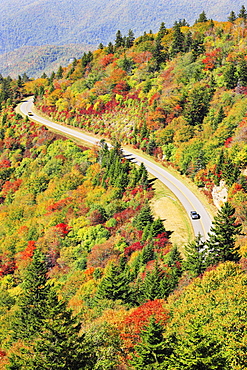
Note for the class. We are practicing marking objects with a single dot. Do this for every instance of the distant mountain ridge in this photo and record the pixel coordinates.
(47, 22)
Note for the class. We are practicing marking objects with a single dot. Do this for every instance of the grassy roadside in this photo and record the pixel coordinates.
(211, 209)
(166, 206)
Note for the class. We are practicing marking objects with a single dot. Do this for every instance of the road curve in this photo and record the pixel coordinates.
(185, 196)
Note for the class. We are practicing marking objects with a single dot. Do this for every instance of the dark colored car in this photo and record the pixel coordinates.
(194, 215)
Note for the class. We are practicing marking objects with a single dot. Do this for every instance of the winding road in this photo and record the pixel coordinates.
(185, 196)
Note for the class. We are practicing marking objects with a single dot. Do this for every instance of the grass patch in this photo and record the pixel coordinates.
(166, 206)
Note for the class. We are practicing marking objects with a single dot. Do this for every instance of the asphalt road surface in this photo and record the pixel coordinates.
(188, 199)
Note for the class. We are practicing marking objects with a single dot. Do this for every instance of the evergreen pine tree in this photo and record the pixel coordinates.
(32, 303)
(152, 352)
(151, 288)
(147, 254)
(202, 17)
(232, 17)
(242, 13)
(195, 256)
(231, 77)
(110, 48)
(114, 285)
(242, 72)
(60, 72)
(143, 218)
(188, 42)
(197, 47)
(143, 176)
(157, 227)
(158, 54)
(221, 243)
(174, 261)
(198, 351)
(219, 117)
(162, 31)
(130, 39)
(178, 40)
(151, 146)
(25, 78)
(119, 39)
(48, 332)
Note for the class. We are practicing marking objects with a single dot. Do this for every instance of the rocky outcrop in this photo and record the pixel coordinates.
(219, 194)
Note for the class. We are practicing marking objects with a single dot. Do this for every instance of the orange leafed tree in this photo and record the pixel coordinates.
(139, 317)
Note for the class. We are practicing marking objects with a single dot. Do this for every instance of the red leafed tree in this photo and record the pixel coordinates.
(161, 241)
(228, 142)
(122, 217)
(211, 59)
(24, 258)
(101, 254)
(139, 317)
(11, 186)
(5, 163)
(7, 265)
(28, 252)
(62, 228)
(59, 205)
(96, 217)
(107, 59)
(132, 248)
(121, 88)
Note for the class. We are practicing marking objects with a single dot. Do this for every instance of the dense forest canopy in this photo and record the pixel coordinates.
(89, 278)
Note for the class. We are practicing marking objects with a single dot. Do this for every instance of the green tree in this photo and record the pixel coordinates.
(147, 253)
(151, 287)
(231, 76)
(114, 284)
(59, 72)
(232, 17)
(178, 40)
(195, 256)
(152, 351)
(197, 47)
(197, 351)
(219, 118)
(159, 56)
(119, 40)
(202, 17)
(32, 303)
(110, 48)
(242, 72)
(130, 39)
(157, 228)
(222, 237)
(49, 333)
(162, 31)
(142, 177)
(242, 13)
(143, 218)
(197, 104)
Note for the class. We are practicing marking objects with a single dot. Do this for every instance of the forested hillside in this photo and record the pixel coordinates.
(89, 278)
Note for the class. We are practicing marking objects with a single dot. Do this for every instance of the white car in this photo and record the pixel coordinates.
(194, 215)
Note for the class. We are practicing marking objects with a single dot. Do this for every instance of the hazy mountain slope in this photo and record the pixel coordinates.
(61, 22)
(34, 60)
